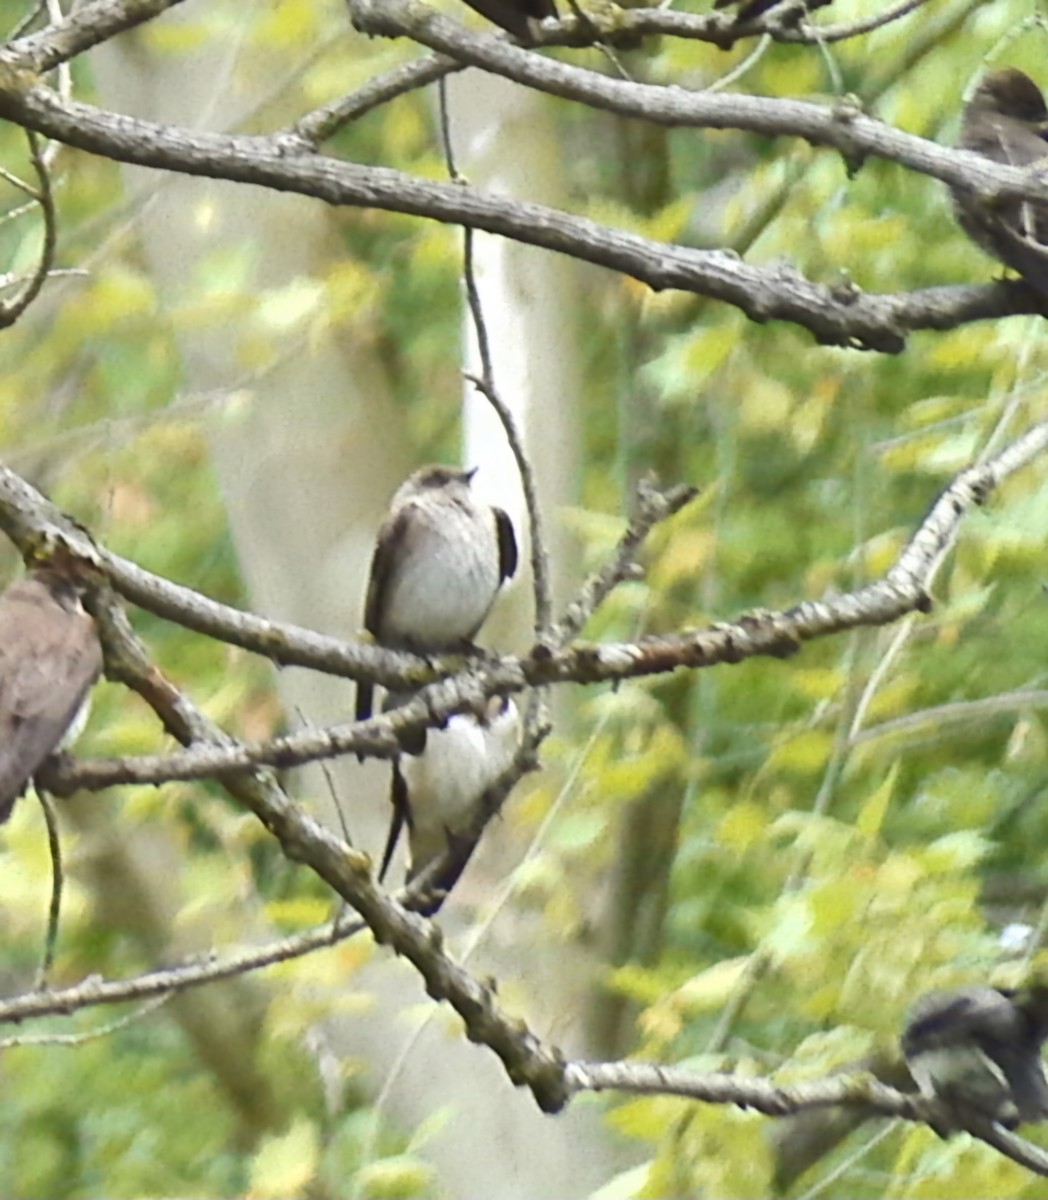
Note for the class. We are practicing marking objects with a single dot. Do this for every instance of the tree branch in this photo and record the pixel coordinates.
(88, 25)
(761, 633)
(346, 871)
(835, 315)
(862, 1092)
(839, 126)
(11, 310)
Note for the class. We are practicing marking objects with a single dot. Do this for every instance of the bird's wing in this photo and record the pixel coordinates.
(401, 804)
(47, 668)
(1020, 146)
(388, 548)
(976, 1014)
(383, 564)
(1009, 140)
(507, 544)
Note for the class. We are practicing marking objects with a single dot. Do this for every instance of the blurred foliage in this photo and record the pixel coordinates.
(844, 817)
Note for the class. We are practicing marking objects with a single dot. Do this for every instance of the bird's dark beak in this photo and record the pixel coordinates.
(468, 475)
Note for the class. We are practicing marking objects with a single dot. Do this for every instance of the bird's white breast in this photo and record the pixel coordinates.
(446, 580)
(445, 782)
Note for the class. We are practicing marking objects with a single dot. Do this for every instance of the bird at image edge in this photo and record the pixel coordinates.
(49, 659)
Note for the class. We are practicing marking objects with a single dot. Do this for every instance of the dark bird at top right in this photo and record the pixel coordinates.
(1006, 120)
(748, 10)
(515, 16)
(978, 1050)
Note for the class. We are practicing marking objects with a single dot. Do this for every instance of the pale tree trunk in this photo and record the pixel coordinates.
(505, 140)
(308, 455)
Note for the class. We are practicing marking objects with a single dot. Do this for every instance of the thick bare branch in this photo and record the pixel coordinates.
(834, 314)
(721, 28)
(862, 1092)
(88, 25)
(839, 126)
(348, 872)
(763, 633)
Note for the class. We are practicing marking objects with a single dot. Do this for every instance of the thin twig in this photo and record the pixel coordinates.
(650, 507)
(166, 982)
(11, 310)
(487, 387)
(316, 127)
(89, 1035)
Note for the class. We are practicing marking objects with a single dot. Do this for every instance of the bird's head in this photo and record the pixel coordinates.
(432, 481)
(1012, 93)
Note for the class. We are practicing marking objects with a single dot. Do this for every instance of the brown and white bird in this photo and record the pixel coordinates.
(436, 793)
(49, 659)
(979, 1050)
(440, 559)
(1006, 120)
(514, 15)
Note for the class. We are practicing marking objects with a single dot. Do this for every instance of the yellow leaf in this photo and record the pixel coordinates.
(898, 876)
(392, 1178)
(817, 683)
(115, 295)
(285, 1164)
(834, 903)
(287, 24)
(954, 852)
(284, 309)
(744, 824)
(807, 751)
(712, 988)
(766, 406)
(871, 815)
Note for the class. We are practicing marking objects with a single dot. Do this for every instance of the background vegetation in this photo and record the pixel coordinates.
(756, 867)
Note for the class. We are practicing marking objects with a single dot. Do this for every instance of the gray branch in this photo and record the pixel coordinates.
(27, 518)
(287, 162)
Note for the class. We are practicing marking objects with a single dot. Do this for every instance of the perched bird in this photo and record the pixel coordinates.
(979, 1050)
(436, 793)
(1006, 120)
(440, 559)
(49, 659)
(750, 9)
(514, 15)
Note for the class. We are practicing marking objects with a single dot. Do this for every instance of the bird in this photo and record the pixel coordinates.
(50, 658)
(1006, 120)
(978, 1049)
(514, 15)
(436, 794)
(440, 559)
(748, 10)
